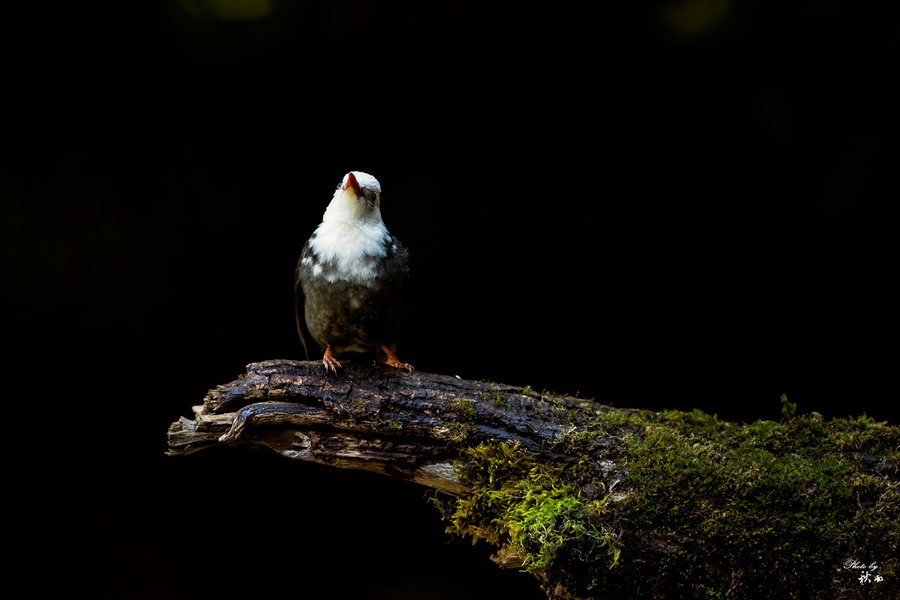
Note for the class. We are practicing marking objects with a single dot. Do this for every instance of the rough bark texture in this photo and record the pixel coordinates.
(595, 501)
(369, 417)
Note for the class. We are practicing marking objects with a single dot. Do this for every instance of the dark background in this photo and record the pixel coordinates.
(680, 205)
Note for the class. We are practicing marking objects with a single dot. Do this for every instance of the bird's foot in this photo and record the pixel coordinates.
(330, 362)
(393, 361)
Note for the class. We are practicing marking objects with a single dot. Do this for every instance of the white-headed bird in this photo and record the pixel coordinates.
(350, 278)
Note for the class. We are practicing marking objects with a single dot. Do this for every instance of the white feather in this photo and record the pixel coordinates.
(365, 180)
(351, 235)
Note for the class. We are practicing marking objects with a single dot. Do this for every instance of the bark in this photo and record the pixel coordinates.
(371, 417)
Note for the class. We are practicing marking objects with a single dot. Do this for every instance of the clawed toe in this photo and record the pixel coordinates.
(331, 365)
(393, 361)
(330, 362)
(401, 365)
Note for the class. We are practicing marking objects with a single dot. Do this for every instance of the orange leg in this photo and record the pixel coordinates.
(393, 361)
(330, 362)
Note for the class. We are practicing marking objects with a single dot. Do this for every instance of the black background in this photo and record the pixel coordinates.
(684, 205)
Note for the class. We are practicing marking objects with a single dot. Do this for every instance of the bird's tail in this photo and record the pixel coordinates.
(297, 319)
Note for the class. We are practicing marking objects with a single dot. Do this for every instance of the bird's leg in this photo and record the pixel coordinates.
(393, 361)
(330, 362)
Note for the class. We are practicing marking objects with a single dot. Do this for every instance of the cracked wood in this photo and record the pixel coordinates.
(372, 417)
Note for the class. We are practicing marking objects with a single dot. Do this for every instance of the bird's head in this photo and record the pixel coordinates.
(363, 186)
(357, 198)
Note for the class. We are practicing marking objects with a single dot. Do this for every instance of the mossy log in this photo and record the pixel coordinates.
(596, 502)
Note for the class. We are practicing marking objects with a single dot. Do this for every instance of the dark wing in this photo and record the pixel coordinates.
(393, 271)
(299, 316)
(397, 259)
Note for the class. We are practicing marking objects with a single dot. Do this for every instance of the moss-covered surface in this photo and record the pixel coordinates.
(700, 507)
(536, 508)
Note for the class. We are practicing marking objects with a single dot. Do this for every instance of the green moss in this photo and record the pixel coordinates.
(788, 409)
(765, 509)
(573, 440)
(723, 510)
(496, 397)
(392, 425)
(463, 407)
(456, 432)
(357, 409)
(534, 508)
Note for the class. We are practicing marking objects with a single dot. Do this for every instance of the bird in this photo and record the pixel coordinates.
(350, 278)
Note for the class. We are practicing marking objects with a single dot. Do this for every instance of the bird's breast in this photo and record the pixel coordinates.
(360, 271)
(347, 251)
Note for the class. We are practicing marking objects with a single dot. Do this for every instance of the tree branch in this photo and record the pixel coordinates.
(371, 417)
(594, 501)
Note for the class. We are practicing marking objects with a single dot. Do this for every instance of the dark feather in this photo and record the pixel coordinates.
(298, 309)
(353, 318)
